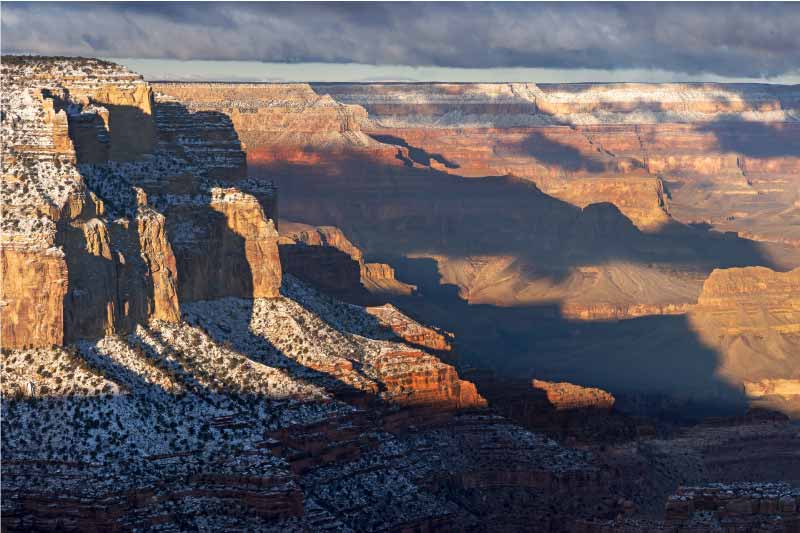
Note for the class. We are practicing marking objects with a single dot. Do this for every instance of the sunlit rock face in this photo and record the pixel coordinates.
(385, 162)
(107, 194)
(752, 317)
(94, 275)
(162, 369)
(723, 150)
(158, 368)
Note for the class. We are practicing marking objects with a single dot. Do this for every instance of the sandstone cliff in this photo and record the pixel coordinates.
(159, 370)
(752, 317)
(112, 273)
(92, 163)
(226, 396)
(723, 149)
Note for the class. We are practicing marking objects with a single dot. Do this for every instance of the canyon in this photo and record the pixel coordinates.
(538, 220)
(397, 307)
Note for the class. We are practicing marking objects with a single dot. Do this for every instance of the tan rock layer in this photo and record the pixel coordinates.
(33, 289)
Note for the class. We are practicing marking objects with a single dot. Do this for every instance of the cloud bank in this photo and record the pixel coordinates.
(758, 40)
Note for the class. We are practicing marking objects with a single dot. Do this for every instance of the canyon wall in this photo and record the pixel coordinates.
(325, 257)
(727, 152)
(164, 372)
(595, 211)
(752, 317)
(106, 193)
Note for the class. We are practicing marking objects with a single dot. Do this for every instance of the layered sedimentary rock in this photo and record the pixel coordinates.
(717, 507)
(189, 411)
(752, 316)
(567, 207)
(92, 164)
(727, 152)
(475, 130)
(287, 115)
(255, 423)
(326, 258)
(51, 215)
(265, 404)
(570, 396)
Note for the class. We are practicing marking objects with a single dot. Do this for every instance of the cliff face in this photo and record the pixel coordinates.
(92, 164)
(234, 254)
(34, 286)
(325, 257)
(752, 317)
(281, 115)
(146, 312)
(194, 386)
(406, 150)
(569, 396)
(724, 151)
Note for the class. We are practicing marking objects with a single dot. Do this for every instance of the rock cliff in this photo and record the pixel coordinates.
(752, 317)
(108, 193)
(53, 222)
(160, 370)
(724, 150)
(570, 396)
(325, 257)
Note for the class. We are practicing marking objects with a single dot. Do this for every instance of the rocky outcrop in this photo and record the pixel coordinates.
(96, 167)
(247, 224)
(572, 207)
(159, 259)
(724, 149)
(752, 317)
(564, 410)
(412, 378)
(33, 289)
(411, 331)
(226, 396)
(323, 256)
(570, 396)
(279, 115)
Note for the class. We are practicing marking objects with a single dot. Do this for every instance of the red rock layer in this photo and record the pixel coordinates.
(569, 396)
(33, 290)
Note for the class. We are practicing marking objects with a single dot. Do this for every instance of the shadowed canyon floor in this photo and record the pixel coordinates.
(472, 315)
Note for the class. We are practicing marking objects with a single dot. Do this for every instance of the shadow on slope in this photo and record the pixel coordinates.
(756, 139)
(417, 155)
(395, 213)
(393, 210)
(655, 365)
(551, 152)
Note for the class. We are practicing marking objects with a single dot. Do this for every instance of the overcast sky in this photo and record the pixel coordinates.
(420, 41)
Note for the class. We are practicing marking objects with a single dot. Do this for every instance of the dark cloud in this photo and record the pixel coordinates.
(726, 39)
